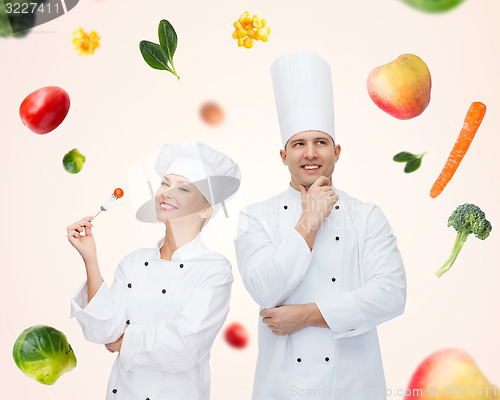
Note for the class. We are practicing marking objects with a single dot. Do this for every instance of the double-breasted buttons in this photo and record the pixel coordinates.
(147, 398)
(146, 263)
(129, 285)
(128, 322)
(334, 279)
(337, 238)
(163, 291)
(327, 358)
(114, 390)
(299, 359)
(181, 265)
(337, 207)
(285, 207)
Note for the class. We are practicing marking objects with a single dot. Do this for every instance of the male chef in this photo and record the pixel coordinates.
(323, 266)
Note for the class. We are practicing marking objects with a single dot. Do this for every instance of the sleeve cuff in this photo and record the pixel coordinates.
(128, 346)
(292, 259)
(300, 257)
(302, 244)
(100, 307)
(339, 313)
(140, 341)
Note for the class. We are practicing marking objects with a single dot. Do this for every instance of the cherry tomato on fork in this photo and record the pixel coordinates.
(118, 193)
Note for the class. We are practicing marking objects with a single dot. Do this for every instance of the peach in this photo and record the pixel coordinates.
(401, 88)
(448, 374)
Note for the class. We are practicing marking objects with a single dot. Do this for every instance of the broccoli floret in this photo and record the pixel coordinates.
(466, 219)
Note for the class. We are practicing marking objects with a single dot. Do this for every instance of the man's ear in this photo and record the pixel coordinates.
(337, 152)
(283, 156)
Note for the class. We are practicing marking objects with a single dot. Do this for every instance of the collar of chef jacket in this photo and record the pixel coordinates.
(191, 249)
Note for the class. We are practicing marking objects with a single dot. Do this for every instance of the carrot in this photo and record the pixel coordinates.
(472, 121)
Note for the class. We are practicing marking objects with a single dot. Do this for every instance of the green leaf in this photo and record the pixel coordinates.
(168, 41)
(153, 55)
(413, 165)
(404, 156)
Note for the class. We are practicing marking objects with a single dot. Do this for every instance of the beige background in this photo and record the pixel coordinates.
(122, 110)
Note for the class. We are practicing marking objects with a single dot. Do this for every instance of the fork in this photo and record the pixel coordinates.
(107, 204)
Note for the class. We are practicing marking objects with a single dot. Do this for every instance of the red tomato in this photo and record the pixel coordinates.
(236, 335)
(43, 110)
(118, 193)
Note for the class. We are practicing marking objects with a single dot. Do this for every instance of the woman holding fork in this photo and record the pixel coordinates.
(167, 303)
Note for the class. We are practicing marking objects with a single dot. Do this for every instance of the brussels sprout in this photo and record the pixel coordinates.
(73, 161)
(43, 353)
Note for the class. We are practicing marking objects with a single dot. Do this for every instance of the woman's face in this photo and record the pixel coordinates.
(177, 198)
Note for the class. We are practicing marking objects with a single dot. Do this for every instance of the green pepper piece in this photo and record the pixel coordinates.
(433, 6)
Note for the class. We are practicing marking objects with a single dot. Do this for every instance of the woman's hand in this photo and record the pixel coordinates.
(115, 346)
(84, 244)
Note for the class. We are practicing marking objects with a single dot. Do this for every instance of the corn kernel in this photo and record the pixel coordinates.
(248, 43)
(85, 43)
(248, 29)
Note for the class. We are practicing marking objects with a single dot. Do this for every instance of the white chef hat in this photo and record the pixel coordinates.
(303, 92)
(215, 175)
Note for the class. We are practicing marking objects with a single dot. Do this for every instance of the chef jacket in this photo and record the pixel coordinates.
(354, 274)
(169, 312)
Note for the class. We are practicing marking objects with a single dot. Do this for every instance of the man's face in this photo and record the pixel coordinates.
(309, 155)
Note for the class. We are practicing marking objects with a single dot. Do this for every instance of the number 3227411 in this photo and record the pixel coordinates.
(463, 391)
(31, 8)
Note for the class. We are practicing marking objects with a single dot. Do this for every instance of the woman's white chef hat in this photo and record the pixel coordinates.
(215, 175)
(303, 92)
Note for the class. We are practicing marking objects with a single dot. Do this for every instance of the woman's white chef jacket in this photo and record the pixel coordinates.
(354, 274)
(170, 312)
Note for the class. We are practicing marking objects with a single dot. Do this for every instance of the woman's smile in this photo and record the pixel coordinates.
(167, 206)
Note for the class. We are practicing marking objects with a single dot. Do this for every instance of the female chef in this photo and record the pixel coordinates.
(167, 303)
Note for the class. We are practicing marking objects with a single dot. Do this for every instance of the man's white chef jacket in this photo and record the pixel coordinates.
(170, 311)
(354, 274)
